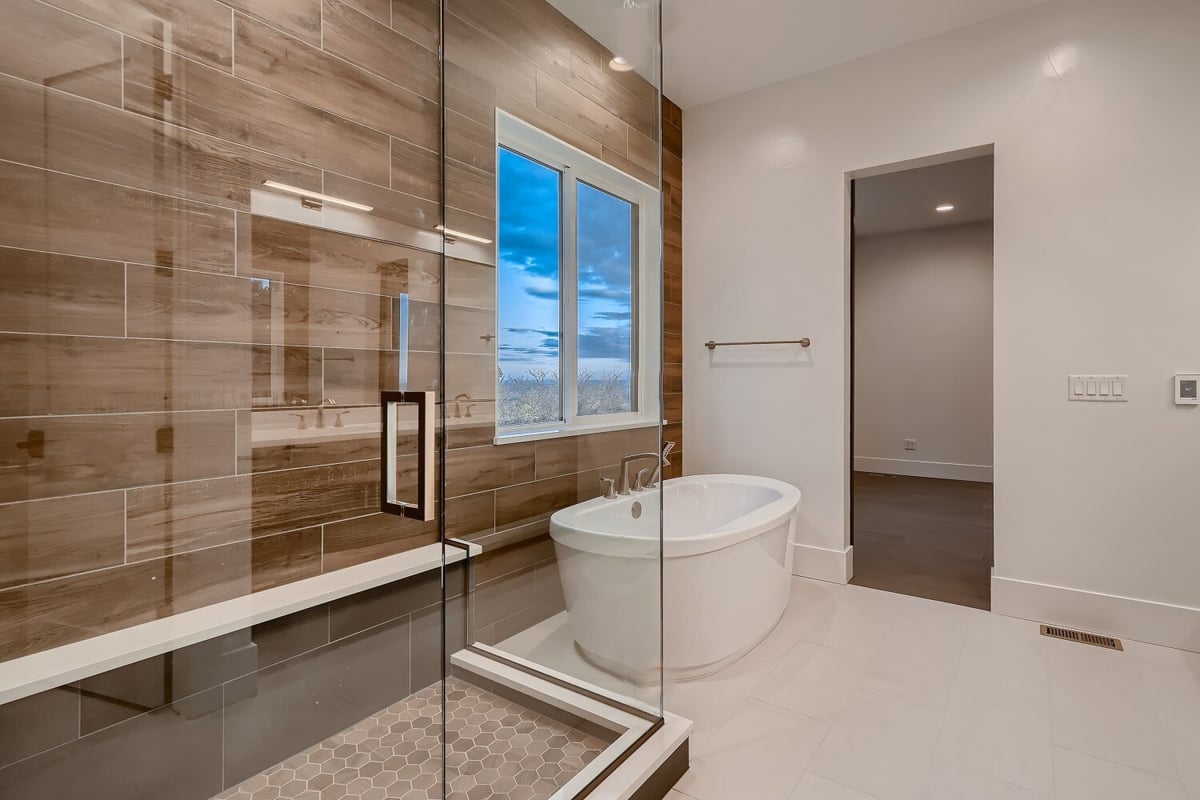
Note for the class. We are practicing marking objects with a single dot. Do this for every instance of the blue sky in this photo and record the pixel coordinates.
(529, 255)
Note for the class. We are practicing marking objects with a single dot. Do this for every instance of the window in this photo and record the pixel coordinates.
(578, 290)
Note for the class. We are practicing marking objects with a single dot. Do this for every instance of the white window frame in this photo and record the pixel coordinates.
(646, 320)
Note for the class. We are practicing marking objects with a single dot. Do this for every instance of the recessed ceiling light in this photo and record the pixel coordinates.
(305, 194)
(620, 64)
(944, 208)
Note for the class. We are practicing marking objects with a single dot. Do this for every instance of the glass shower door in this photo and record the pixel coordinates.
(552, 368)
(219, 246)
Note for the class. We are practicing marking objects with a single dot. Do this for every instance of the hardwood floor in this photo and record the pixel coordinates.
(924, 537)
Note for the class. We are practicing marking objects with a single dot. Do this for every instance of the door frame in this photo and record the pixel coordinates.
(851, 177)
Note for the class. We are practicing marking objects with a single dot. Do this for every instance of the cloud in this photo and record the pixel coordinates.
(604, 343)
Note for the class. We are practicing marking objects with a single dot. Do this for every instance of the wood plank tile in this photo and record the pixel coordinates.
(672, 317)
(471, 142)
(470, 284)
(419, 20)
(357, 541)
(286, 376)
(469, 96)
(378, 535)
(472, 375)
(416, 171)
(672, 378)
(573, 109)
(300, 254)
(648, 176)
(479, 54)
(672, 348)
(180, 304)
(672, 139)
(300, 18)
(548, 123)
(644, 151)
(61, 51)
(397, 217)
(274, 60)
(572, 454)
(477, 469)
(85, 375)
(69, 134)
(643, 440)
(176, 518)
(536, 501)
(45, 293)
(673, 288)
(459, 220)
(58, 612)
(312, 316)
(74, 455)
(211, 102)
(514, 561)
(526, 34)
(378, 10)
(466, 329)
(276, 440)
(603, 86)
(199, 29)
(356, 377)
(47, 211)
(371, 44)
(313, 496)
(470, 189)
(46, 539)
(673, 407)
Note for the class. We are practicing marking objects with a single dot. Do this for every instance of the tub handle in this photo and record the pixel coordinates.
(424, 509)
(610, 487)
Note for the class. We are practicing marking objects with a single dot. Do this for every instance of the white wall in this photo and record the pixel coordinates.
(1093, 109)
(923, 352)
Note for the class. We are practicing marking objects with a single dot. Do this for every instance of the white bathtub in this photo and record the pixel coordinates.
(726, 570)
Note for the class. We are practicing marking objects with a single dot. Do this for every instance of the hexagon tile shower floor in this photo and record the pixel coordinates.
(496, 749)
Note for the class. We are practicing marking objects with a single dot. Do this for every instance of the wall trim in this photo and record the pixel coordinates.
(1147, 621)
(822, 563)
(924, 469)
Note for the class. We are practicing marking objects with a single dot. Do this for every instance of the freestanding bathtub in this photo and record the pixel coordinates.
(726, 571)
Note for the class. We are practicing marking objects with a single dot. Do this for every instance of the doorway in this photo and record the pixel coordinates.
(921, 389)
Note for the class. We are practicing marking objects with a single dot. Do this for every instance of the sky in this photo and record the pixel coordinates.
(529, 250)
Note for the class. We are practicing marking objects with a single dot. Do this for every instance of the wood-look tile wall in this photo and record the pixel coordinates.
(672, 191)
(527, 59)
(188, 411)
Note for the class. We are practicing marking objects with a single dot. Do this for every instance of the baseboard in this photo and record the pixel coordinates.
(1095, 612)
(822, 563)
(924, 469)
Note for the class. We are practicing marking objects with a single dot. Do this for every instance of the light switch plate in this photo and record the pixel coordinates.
(1098, 388)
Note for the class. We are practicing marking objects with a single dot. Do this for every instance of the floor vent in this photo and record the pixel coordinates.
(1093, 639)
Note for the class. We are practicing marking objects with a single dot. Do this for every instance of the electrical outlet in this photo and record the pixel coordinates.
(910, 444)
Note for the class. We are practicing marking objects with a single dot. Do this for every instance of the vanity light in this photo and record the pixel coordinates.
(452, 234)
(620, 64)
(305, 194)
(944, 208)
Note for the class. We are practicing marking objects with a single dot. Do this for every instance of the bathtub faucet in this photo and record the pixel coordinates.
(626, 461)
(656, 476)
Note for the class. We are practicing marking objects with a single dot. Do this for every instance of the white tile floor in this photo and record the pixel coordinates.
(866, 695)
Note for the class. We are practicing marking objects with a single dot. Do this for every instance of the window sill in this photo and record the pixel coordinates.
(574, 430)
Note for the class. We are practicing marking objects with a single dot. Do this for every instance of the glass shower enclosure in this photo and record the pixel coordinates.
(331, 357)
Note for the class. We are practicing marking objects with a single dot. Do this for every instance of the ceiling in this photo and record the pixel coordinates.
(716, 48)
(905, 201)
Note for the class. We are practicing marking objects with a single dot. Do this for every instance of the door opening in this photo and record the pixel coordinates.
(921, 387)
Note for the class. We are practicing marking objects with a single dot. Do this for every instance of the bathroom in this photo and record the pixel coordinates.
(365, 435)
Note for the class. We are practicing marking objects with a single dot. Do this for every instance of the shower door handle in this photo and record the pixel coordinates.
(424, 508)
